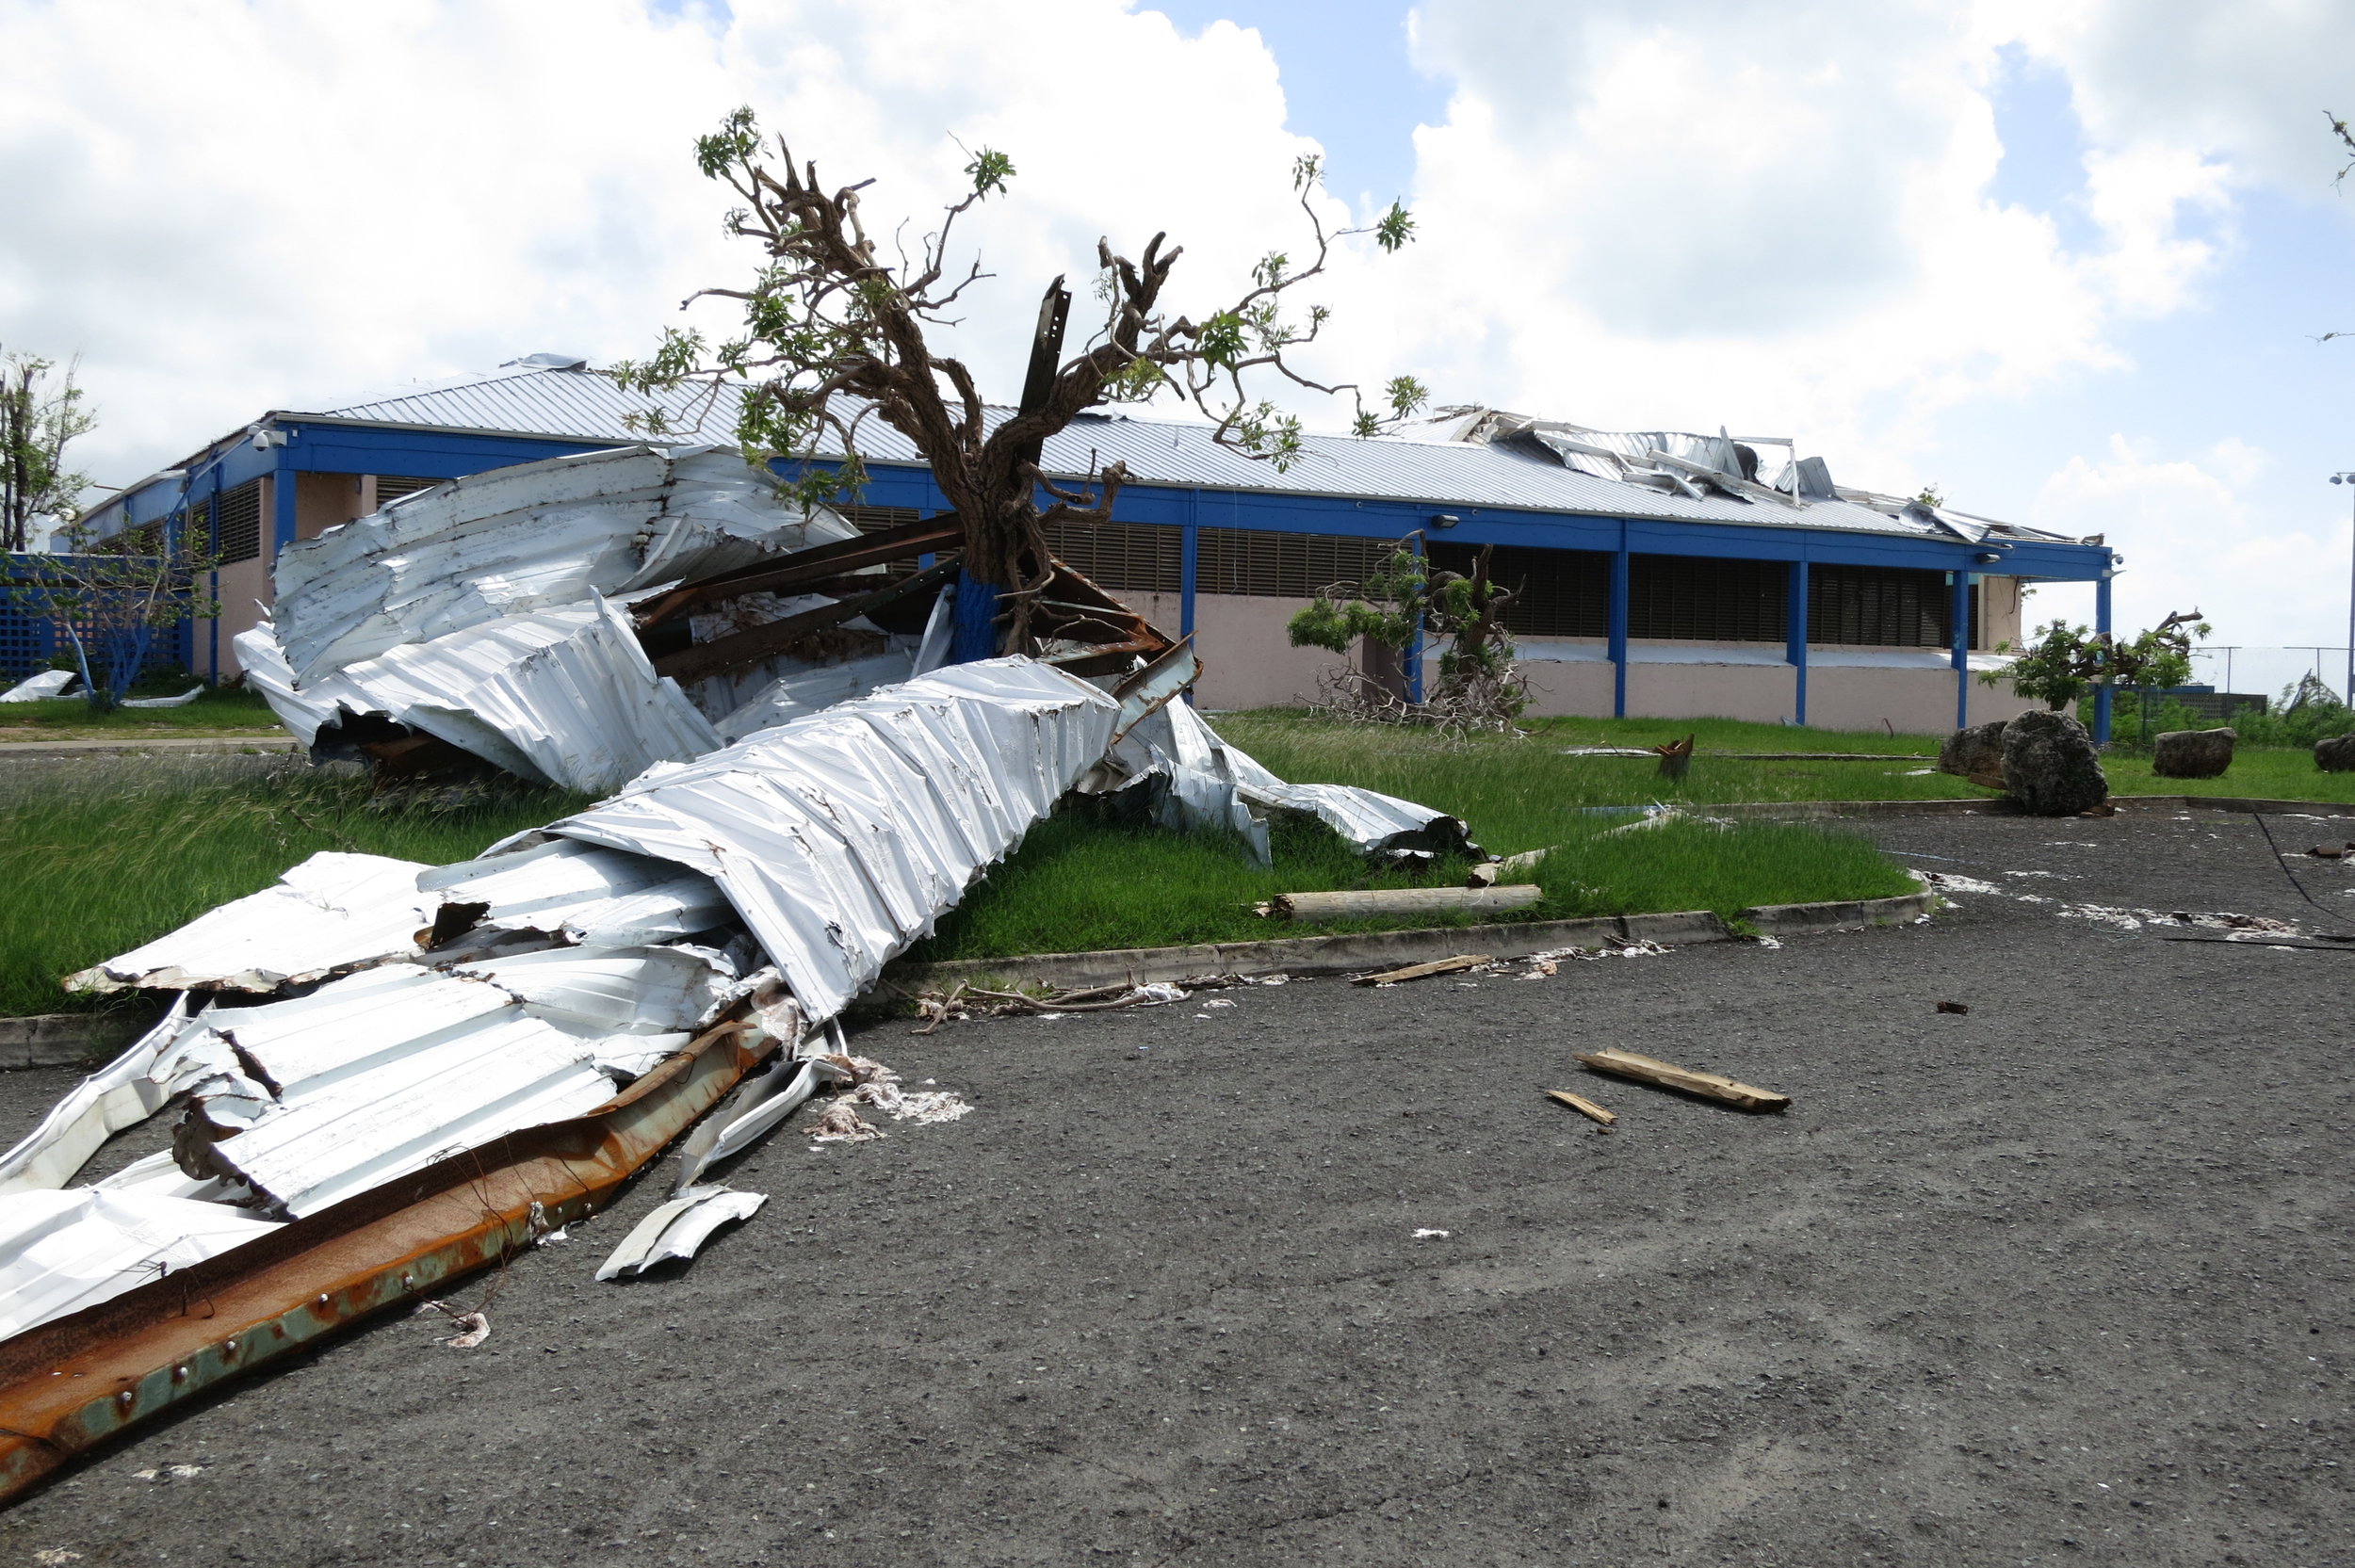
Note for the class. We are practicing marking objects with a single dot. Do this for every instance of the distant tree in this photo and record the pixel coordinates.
(1477, 686)
(107, 598)
(37, 420)
(834, 334)
(2065, 663)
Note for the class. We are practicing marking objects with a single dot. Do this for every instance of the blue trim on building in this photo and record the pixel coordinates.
(1794, 638)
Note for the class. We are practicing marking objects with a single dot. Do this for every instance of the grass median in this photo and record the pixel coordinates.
(98, 856)
(219, 711)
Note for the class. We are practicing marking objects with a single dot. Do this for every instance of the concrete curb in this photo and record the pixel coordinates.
(2128, 805)
(1324, 955)
(197, 746)
(69, 1039)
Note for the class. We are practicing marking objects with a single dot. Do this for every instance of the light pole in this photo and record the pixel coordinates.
(2344, 477)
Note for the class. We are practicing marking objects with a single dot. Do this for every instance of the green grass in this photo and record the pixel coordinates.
(99, 857)
(1521, 793)
(220, 711)
(1078, 885)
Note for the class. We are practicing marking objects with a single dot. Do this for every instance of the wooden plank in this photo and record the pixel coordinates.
(1419, 971)
(806, 567)
(1584, 1106)
(1710, 1085)
(755, 643)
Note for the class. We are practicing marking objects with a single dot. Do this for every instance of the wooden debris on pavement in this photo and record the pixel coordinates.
(1954, 1007)
(1584, 1106)
(1419, 971)
(1711, 1086)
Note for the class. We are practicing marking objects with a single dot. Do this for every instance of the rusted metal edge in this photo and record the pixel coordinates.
(70, 1385)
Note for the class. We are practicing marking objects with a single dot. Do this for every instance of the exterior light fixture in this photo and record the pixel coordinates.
(1445, 520)
(1988, 558)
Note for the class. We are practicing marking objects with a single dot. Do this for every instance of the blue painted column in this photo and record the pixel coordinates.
(1189, 556)
(1618, 627)
(975, 615)
(2101, 626)
(281, 504)
(1795, 638)
(1958, 618)
(212, 547)
(1414, 649)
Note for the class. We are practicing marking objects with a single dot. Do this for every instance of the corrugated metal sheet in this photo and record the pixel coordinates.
(587, 895)
(522, 538)
(841, 836)
(585, 405)
(562, 696)
(61, 1252)
(333, 912)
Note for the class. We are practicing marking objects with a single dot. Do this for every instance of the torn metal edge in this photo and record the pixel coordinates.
(73, 1384)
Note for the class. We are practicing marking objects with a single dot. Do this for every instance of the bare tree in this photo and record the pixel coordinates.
(834, 334)
(36, 422)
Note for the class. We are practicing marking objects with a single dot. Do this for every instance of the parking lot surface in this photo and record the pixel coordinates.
(1320, 1276)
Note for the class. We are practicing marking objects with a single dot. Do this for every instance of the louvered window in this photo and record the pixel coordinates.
(392, 487)
(874, 520)
(1285, 566)
(1135, 557)
(1692, 598)
(239, 537)
(1562, 593)
(1882, 606)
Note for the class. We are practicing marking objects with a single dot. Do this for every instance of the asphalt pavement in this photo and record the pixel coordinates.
(1320, 1277)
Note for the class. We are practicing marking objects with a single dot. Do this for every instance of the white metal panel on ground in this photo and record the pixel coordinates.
(40, 687)
(590, 896)
(841, 836)
(633, 990)
(265, 670)
(525, 536)
(61, 1252)
(333, 912)
(120, 1094)
(341, 1133)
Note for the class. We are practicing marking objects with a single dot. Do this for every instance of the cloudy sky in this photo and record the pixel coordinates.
(2064, 261)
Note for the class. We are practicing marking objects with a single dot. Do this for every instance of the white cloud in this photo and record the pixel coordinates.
(1709, 211)
(237, 204)
(2191, 541)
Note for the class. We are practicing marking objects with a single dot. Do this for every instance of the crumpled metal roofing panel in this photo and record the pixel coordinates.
(841, 836)
(587, 895)
(586, 405)
(63, 1251)
(331, 912)
(523, 537)
(564, 695)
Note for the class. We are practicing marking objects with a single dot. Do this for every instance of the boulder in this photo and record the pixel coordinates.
(2335, 755)
(2050, 766)
(1976, 753)
(2193, 753)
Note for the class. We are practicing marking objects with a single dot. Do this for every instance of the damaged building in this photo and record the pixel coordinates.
(1659, 574)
